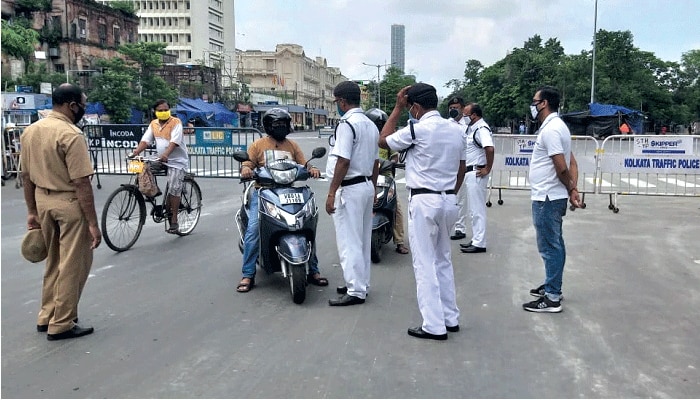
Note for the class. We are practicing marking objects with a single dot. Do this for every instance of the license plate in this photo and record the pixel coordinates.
(135, 166)
(291, 198)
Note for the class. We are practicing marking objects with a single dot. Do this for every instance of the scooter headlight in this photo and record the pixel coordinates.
(279, 214)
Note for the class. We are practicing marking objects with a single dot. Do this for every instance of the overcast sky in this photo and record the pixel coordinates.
(442, 35)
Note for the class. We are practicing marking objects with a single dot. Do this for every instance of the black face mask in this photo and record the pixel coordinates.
(279, 133)
(454, 113)
(79, 115)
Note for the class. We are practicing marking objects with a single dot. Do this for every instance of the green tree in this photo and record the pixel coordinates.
(146, 57)
(131, 82)
(18, 40)
(114, 88)
(688, 90)
(394, 80)
(38, 73)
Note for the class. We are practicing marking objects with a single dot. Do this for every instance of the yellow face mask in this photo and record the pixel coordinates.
(163, 115)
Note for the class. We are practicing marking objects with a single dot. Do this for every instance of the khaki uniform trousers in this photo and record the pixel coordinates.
(69, 259)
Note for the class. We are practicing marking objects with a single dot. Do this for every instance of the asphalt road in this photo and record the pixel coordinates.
(169, 323)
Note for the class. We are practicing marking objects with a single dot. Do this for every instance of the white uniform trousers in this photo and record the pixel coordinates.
(353, 234)
(430, 217)
(461, 224)
(477, 188)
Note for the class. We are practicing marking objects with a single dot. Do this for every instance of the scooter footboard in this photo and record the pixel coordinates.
(294, 248)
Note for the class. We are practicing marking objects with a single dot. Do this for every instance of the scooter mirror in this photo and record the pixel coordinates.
(240, 156)
(318, 152)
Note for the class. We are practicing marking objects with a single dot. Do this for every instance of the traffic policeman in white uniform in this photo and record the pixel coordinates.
(352, 168)
(479, 159)
(455, 108)
(434, 172)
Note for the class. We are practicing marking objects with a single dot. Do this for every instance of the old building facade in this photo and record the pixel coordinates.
(291, 78)
(76, 33)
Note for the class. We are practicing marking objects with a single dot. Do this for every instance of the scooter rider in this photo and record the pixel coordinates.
(379, 118)
(277, 124)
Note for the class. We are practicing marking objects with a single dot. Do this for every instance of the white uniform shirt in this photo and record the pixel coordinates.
(179, 157)
(474, 154)
(362, 151)
(434, 160)
(552, 138)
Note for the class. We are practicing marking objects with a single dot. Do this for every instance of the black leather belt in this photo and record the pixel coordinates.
(471, 168)
(428, 191)
(355, 180)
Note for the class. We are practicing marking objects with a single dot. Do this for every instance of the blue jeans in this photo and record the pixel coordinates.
(251, 242)
(547, 218)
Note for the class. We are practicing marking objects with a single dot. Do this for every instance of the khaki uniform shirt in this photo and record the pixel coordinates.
(54, 153)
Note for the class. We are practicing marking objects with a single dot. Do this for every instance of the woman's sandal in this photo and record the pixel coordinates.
(320, 281)
(244, 287)
(401, 249)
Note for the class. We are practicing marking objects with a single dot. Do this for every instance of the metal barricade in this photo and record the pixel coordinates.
(11, 166)
(511, 163)
(210, 149)
(325, 131)
(649, 165)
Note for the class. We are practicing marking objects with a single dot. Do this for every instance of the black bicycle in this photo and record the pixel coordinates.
(124, 213)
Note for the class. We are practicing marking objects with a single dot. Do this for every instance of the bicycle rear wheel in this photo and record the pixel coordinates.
(190, 207)
(123, 217)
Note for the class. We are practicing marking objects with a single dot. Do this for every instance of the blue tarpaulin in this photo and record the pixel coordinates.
(211, 114)
(601, 120)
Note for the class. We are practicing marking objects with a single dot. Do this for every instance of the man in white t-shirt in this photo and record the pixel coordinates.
(553, 175)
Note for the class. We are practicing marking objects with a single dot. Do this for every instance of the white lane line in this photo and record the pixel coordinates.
(638, 183)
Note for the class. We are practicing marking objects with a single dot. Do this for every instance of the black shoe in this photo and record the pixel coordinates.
(345, 300)
(473, 249)
(543, 305)
(452, 328)
(464, 246)
(421, 334)
(74, 332)
(539, 292)
(341, 289)
(45, 328)
(458, 235)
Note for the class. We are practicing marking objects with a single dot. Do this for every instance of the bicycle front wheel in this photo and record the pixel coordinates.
(123, 217)
(190, 207)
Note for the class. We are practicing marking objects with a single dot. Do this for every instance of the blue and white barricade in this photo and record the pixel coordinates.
(511, 164)
(649, 165)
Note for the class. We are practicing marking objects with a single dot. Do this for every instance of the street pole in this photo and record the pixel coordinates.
(595, 23)
(379, 99)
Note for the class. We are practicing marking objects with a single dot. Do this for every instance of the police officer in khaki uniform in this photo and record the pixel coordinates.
(57, 190)
(434, 172)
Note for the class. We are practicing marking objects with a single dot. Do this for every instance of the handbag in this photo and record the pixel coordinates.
(147, 183)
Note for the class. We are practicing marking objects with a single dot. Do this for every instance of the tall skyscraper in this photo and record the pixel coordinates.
(398, 46)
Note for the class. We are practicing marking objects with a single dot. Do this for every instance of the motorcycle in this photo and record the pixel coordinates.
(383, 210)
(288, 218)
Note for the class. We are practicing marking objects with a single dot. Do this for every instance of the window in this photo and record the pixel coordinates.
(102, 33)
(82, 24)
(59, 68)
(116, 32)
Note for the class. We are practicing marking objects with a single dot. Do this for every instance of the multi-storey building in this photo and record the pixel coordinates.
(76, 33)
(195, 31)
(398, 46)
(291, 78)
